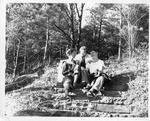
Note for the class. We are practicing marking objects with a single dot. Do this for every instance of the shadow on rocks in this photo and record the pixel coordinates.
(119, 82)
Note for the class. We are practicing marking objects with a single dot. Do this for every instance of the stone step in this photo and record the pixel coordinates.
(85, 105)
(113, 108)
(61, 113)
(108, 97)
(112, 93)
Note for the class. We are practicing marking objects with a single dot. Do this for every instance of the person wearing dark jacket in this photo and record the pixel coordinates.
(83, 59)
(70, 71)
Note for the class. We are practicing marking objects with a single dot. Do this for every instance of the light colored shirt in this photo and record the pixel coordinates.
(96, 65)
(78, 57)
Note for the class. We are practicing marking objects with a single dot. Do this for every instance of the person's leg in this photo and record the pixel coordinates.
(67, 85)
(85, 77)
(98, 83)
(77, 73)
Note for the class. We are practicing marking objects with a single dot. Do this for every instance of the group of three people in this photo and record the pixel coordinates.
(83, 69)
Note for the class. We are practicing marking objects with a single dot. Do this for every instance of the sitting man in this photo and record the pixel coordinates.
(70, 71)
(97, 76)
(82, 59)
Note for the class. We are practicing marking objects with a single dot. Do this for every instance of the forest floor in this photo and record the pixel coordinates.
(126, 96)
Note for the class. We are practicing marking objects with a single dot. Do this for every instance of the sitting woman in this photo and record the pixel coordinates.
(82, 59)
(98, 78)
(70, 71)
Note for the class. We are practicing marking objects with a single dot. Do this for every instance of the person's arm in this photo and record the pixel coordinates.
(104, 67)
(65, 69)
(76, 59)
(88, 67)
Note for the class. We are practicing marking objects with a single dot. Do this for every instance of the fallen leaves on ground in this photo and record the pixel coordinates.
(43, 88)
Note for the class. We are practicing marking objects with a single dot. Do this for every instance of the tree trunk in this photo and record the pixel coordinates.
(46, 44)
(61, 52)
(79, 23)
(129, 38)
(132, 44)
(99, 34)
(129, 47)
(100, 29)
(79, 31)
(16, 60)
(119, 49)
(73, 45)
(25, 55)
(72, 22)
(49, 61)
(94, 32)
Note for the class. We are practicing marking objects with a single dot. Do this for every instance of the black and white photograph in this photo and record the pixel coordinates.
(76, 60)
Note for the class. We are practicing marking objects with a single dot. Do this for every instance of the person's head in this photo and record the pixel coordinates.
(94, 53)
(71, 52)
(83, 50)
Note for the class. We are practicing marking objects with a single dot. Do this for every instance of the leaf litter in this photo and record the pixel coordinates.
(43, 89)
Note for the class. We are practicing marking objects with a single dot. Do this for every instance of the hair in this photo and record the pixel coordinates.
(95, 49)
(82, 47)
(70, 51)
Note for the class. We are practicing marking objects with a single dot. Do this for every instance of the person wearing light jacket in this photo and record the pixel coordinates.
(97, 76)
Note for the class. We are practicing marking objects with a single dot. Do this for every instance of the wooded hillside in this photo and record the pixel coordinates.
(37, 34)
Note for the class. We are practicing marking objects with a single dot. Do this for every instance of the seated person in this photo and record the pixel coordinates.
(70, 71)
(82, 59)
(98, 78)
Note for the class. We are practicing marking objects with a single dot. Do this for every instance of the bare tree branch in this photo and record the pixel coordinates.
(140, 18)
(64, 33)
(67, 13)
(77, 10)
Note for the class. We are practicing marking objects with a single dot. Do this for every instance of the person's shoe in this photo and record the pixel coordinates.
(84, 91)
(99, 93)
(95, 92)
(89, 94)
(88, 87)
(74, 85)
(66, 93)
(67, 89)
(83, 84)
(102, 89)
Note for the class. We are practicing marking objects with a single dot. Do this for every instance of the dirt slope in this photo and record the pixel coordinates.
(126, 96)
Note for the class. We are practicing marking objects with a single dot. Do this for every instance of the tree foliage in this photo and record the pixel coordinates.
(39, 33)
